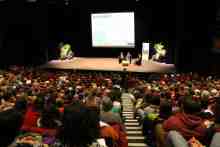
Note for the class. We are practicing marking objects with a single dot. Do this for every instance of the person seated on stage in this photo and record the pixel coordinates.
(66, 52)
(160, 53)
(128, 57)
(138, 61)
(121, 57)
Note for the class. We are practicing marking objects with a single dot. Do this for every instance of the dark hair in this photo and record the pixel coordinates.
(48, 117)
(155, 100)
(106, 104)
(7, 95)
(191, 106)
(139, 94)
(217, 110)
(204, 103)
(165, 109)
(147, 98)
(165, 95)
(39, 103)
(70, 93)
(115, 94)
(21, 104)
(81, 125)
(10, 123)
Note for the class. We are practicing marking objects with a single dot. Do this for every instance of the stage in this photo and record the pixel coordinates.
(108, 64)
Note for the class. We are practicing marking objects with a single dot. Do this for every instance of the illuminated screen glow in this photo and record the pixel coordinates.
(113, 29)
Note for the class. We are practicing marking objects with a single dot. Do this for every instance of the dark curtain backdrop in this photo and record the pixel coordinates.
(31, 32)
(153, 24)
(24, 30)
(195, 34)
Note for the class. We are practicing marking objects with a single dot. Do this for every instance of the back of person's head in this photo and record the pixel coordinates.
(106, 104)
(147, 98)
(205, 94)
(165, 109)
(10, 123)
(138, 94)
(191, 106)
(39, 103)
(91, 96)
(48, 117)
(217, 110)
(155, 100)
(59, 103)
(165, 95)
(81, 125)
(115, 94)
(69, 93)
(204, 102)
(21, 105)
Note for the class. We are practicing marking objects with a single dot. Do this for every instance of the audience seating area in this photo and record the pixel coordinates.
(103, 109)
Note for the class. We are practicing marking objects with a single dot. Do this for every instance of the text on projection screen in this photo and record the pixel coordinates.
(113, 29)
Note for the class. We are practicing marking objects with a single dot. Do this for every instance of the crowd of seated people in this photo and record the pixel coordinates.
(179, 110)
(74, 109)
(60, 109)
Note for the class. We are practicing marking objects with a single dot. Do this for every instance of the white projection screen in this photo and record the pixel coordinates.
(113, 29)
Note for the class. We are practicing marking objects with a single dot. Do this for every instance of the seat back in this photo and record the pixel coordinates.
(215, 140)
(175, 139)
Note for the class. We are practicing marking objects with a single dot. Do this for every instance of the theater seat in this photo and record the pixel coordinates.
(175, 139)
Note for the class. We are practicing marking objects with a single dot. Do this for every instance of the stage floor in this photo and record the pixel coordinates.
(108, 64)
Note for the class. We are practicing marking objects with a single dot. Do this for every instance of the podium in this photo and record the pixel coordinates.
(145, 52)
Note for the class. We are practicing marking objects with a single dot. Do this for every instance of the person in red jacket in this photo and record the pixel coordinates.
(187, 122)
(34, 121)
